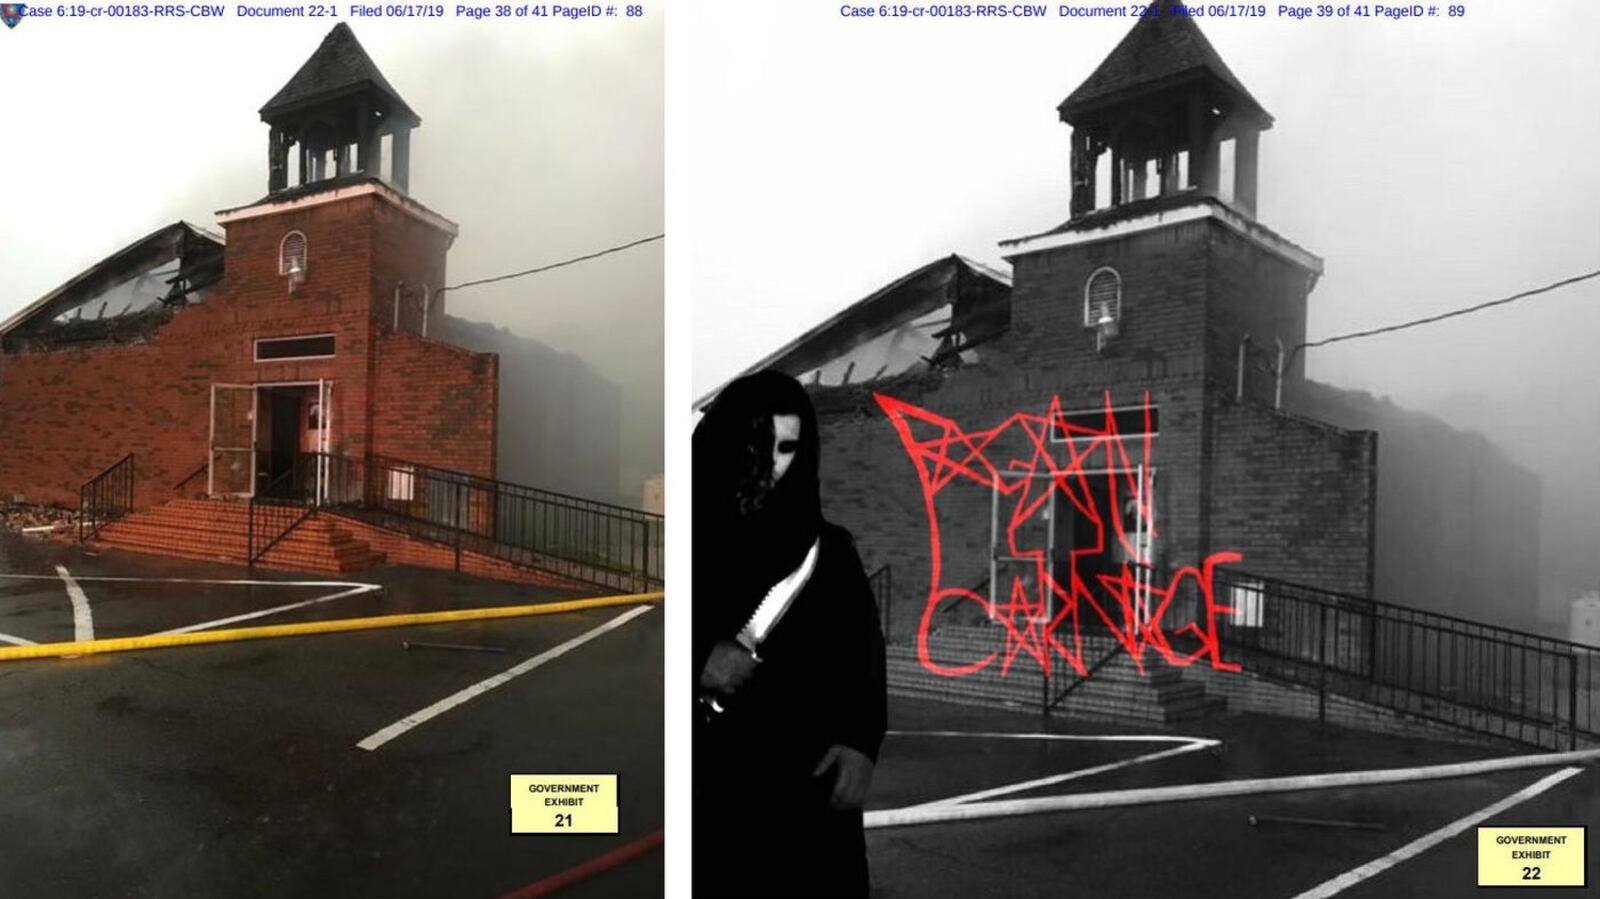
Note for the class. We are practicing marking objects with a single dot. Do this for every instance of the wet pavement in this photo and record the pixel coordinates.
(147, 594)
(1198, 848)
(233, 770)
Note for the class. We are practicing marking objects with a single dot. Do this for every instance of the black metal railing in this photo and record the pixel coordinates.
(276, 509)
(1492, 680)
(105, 497)
(601, 543)
(189, 478)
(1052, 696)
(882, 583)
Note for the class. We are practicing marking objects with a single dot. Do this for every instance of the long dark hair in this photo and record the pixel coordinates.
(747, 537)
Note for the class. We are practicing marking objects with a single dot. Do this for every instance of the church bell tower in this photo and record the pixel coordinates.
(336, 112)
(338, 232)
(1162, 288)
(1172, 118)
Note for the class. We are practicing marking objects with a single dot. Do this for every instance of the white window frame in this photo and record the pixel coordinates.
(401, 484)
(256, 347)
(305, 253)
(1248, 601)
(1089, 322)
(1058, 435)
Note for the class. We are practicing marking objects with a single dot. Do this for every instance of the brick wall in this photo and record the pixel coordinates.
(435, 404)
(1257, 294)
(871, 486)
(67, 414)
(1164, 282)
(409, 252)
(402, 549)
(1294, 496)
(1188, 289)
(1167, 280)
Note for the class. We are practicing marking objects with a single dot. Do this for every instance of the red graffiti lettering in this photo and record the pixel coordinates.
(1103, 479)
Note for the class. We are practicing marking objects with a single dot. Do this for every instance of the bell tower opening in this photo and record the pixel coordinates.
(338, 115)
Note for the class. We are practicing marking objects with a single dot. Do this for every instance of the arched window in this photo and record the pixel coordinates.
(1102, 297)
(292, 254)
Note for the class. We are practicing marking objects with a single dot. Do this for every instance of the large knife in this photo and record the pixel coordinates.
(780, 597)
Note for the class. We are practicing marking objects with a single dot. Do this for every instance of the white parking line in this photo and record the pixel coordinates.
(1417, 847)
(82, 619)
(1190, 744)
(941, 813)
(478, 689)
(357, 591)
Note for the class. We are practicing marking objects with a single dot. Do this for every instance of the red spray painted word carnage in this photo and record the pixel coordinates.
(1048, 603)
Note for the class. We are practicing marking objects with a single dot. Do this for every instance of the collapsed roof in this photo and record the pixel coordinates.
(933, 317)
(124, 297)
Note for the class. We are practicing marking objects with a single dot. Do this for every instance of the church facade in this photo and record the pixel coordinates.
(312, 324)
(1131, 394)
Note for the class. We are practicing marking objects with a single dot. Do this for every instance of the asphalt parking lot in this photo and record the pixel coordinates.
(234, 769)
(1199, 848)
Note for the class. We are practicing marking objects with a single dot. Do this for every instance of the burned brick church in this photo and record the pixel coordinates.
(301, 353)
(1149, 344)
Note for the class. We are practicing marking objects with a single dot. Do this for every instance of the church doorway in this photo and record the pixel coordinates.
(1095, 523)
(271, 440)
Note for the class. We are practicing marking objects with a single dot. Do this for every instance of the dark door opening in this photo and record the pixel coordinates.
(279, 472)
(1106, 553)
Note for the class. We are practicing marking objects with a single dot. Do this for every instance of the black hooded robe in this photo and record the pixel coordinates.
(763, 825)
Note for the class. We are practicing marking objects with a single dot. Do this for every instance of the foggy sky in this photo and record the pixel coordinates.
(1433, 164)
(541, 139)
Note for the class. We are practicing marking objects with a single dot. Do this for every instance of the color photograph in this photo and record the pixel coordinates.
(331, 451)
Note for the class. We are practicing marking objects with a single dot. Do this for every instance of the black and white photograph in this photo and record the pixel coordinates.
(1141, 450)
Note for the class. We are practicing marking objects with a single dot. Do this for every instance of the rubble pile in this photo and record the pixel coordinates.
(16, 516)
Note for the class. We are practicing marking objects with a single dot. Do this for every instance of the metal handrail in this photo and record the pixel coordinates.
(105, 497)
(478, 480)
(1510, 632)
(266, 497)
(252, 554)
(598, 542)
(1481, 677)
(1050, 703)
(193, 474)
(110, 468)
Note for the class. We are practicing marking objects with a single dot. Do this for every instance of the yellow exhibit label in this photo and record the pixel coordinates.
(563, 803)
(1530, 856)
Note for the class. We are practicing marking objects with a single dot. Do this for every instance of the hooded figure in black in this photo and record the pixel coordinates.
(785, 736)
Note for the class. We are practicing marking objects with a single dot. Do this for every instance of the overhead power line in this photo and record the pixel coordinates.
(1458, 312)
(565, 262)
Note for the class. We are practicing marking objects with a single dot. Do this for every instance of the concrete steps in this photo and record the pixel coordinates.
(1117, 690)
(217, 531)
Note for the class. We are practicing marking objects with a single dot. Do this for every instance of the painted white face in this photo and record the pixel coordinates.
(785, 443)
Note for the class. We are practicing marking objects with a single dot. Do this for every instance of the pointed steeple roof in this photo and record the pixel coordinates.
(1158, 53)
(339, 67)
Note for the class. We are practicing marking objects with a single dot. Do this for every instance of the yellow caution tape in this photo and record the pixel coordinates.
(306, 628)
